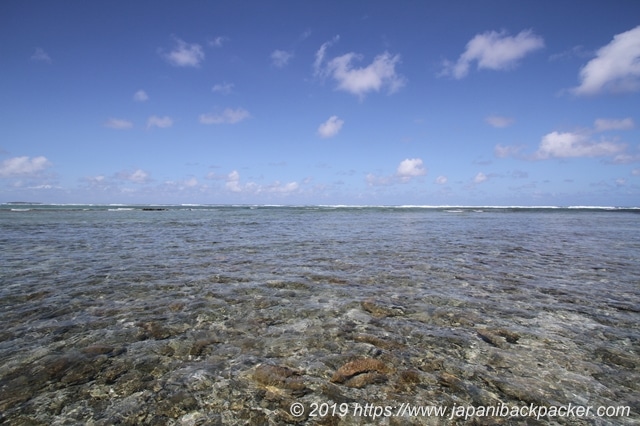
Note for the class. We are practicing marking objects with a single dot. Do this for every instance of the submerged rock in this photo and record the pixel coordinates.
(379, 310)
(361, 366)
(280, 377)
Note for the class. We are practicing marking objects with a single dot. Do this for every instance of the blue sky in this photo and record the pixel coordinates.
(321, 102)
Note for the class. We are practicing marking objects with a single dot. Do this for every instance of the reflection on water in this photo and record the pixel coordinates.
(228, 315)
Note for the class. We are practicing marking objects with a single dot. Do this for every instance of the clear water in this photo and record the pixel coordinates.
(118, 315)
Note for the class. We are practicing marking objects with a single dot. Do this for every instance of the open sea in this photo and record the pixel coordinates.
(318, 315)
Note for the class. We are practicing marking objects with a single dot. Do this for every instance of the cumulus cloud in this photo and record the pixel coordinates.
(228, 116)
(616, 67)
(379, 74)
(185, 54)
(161, 122)
(407, 170)
(568, 144)
(331, 127)
(441, 180)
(279, 188)
(118, 123)
(411, 167)
(495, 51)
(233, 184)
(40, 56)
(577, 144)
(480, 177)
(604, 124)
(137, 176)
(23, 166)
(140, 96)
(359, 81)
(280, 58)
(499, 121)
(223, 88)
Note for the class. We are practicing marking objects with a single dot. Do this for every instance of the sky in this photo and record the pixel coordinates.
(528, 103)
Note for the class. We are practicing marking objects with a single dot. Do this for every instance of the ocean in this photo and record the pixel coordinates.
(196, 314)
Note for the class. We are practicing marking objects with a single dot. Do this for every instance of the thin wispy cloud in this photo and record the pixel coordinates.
(40, 56)
(184, 54)
(280, 58)
(118, 123)
(605, 124)
(495, 51)
(218, 41)
(498, 121)
(331, 127)
(228, 116)
(160, 122)
(318, 70)
(140, 96)
(616, 67)
(223, 88)
(137, 176)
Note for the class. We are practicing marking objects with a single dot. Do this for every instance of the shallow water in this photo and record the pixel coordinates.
(228, 315)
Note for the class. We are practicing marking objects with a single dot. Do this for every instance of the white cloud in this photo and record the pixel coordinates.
(161, 122)
(185, 54)
(223, 88)
(279, 188)
(499, 121)
(635, 172)
(280, 58)
(604, 124)
(23, 166)
(118, 123)
(480, 177)
(409, 168)
(228, 116)
(495, 51)
(359, 81)
(616, 67)
(140, 96)
(625, 158)
(233, 184)
(373, 180)
(567, 144)
(218, 41)
(577, 144)
(137, 176)
(320, 54)
(331, 127)
(40, 56)
(504, 151)
(441, 180)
